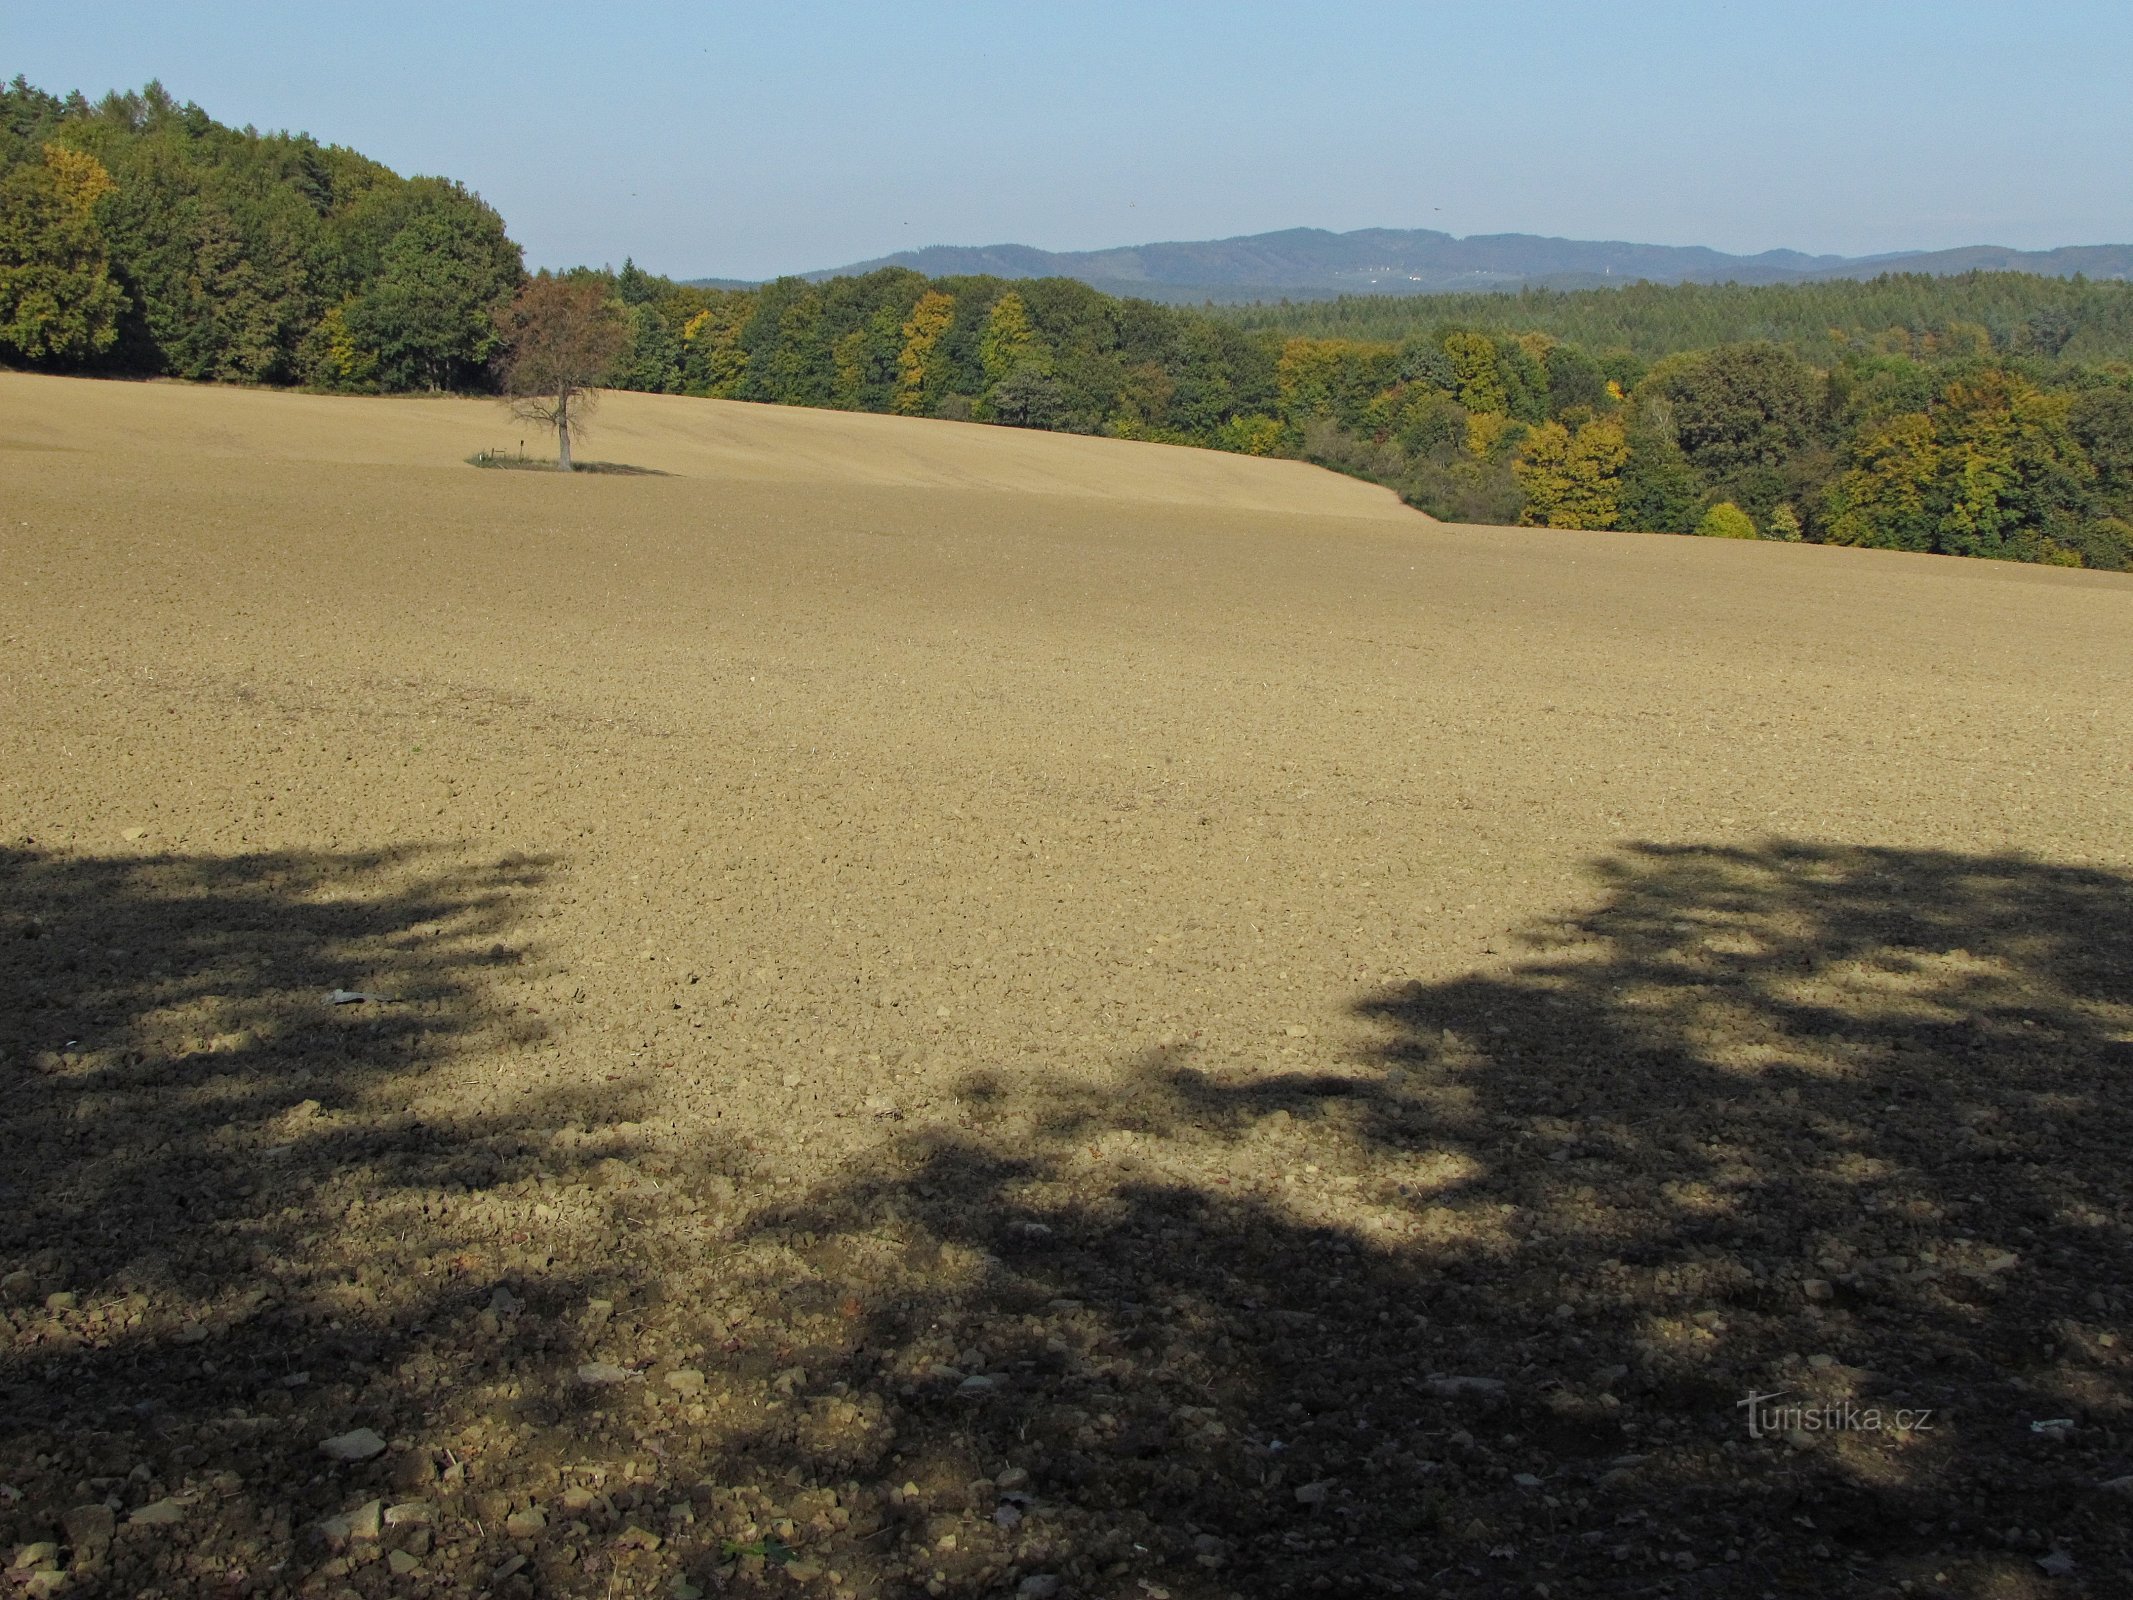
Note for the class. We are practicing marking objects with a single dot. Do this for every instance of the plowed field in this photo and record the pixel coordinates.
(907, 1008)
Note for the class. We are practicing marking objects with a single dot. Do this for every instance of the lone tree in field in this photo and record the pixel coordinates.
(562, 339)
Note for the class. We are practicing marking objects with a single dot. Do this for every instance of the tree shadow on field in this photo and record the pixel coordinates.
(148, 999)
(1473, 1310)
(231, 1223)
(1465, 1305)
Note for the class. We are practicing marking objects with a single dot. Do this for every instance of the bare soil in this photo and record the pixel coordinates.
(918, 1009)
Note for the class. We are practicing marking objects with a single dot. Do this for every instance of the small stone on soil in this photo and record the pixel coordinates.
(360, 1445)
(89, 1529)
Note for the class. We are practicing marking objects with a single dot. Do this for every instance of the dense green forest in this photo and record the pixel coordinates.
(1900, 314)
(1989, 415)
(139, 235)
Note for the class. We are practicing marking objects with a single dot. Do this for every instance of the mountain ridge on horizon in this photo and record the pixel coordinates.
(1315, 263)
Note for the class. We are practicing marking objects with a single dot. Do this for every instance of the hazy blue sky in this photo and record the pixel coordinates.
(749, 140)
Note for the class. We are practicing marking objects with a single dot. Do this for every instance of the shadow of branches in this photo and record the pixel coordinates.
(1474, 1310)
(147, 999)
(239, 1216)
(1464, 1305)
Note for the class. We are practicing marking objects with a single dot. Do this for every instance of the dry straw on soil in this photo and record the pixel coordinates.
(965, 1012)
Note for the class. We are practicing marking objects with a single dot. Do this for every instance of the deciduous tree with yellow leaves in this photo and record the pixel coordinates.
(923, 331)
(1009, 340)
(58, 301)
(1573, 480)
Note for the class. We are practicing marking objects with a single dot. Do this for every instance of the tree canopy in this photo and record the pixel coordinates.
(561, 339)
(58, 301)
(141, 235)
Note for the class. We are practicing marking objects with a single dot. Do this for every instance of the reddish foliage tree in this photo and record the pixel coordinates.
(562, 338)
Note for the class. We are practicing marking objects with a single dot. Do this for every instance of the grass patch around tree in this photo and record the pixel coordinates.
(509, 461)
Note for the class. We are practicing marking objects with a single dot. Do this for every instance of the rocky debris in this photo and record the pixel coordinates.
(598, 1373)
(36, 1557)
(685, 1381)
(525, 1524)
(364, 1522)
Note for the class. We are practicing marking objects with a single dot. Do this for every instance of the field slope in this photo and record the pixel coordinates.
(918, 1008)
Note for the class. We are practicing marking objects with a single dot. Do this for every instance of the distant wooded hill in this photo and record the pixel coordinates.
(1311, 263)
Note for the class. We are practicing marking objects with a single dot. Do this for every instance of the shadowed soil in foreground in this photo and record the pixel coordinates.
(1846, 1126)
